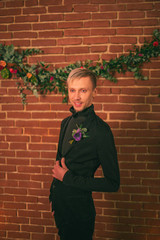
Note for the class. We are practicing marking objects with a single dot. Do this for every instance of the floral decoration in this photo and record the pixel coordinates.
(78, 134)
(38, 79)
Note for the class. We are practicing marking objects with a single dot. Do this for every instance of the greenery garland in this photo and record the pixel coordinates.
(38, 79)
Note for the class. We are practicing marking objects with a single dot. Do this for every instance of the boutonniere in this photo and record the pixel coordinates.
(78, 134)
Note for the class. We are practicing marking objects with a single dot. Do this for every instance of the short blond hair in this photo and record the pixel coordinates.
(78, 73)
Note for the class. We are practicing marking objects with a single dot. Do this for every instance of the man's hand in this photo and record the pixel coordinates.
(51, 209)
(58, 171)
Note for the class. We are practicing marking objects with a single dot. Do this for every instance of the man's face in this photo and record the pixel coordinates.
(81, 93)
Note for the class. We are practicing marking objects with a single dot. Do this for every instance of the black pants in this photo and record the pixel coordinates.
(79, 231)
(74, 213)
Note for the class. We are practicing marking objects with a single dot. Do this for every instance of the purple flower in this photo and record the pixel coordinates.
(78, 135)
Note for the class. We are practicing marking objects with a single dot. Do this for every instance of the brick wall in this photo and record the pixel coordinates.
(67, 31)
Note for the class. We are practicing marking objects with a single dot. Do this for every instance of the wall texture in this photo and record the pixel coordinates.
(67, 31)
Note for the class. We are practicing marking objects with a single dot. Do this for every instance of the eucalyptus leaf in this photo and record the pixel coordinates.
(39, 78)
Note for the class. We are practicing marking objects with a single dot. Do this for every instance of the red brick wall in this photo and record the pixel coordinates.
(70, 30)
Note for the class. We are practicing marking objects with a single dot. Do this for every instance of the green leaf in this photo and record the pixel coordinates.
(5, 73)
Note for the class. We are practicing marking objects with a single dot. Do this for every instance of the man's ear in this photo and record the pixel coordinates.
(94, 92)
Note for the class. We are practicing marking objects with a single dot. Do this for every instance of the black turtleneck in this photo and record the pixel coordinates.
(77, 119)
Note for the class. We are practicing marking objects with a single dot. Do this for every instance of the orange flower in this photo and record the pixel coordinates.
(2, 63)
(29, 75)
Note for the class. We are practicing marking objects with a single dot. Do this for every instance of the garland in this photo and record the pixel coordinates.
(38, 79)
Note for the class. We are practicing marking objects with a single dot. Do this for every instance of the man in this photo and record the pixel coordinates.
(85, 143)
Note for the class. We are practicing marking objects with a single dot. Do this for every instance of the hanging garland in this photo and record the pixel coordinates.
(38, 79)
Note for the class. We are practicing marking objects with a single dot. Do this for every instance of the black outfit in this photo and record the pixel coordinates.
(72, 198)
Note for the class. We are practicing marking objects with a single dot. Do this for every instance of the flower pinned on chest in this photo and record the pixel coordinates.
(78, 134)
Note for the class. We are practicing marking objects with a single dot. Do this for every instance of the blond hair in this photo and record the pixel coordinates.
(78, 73)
